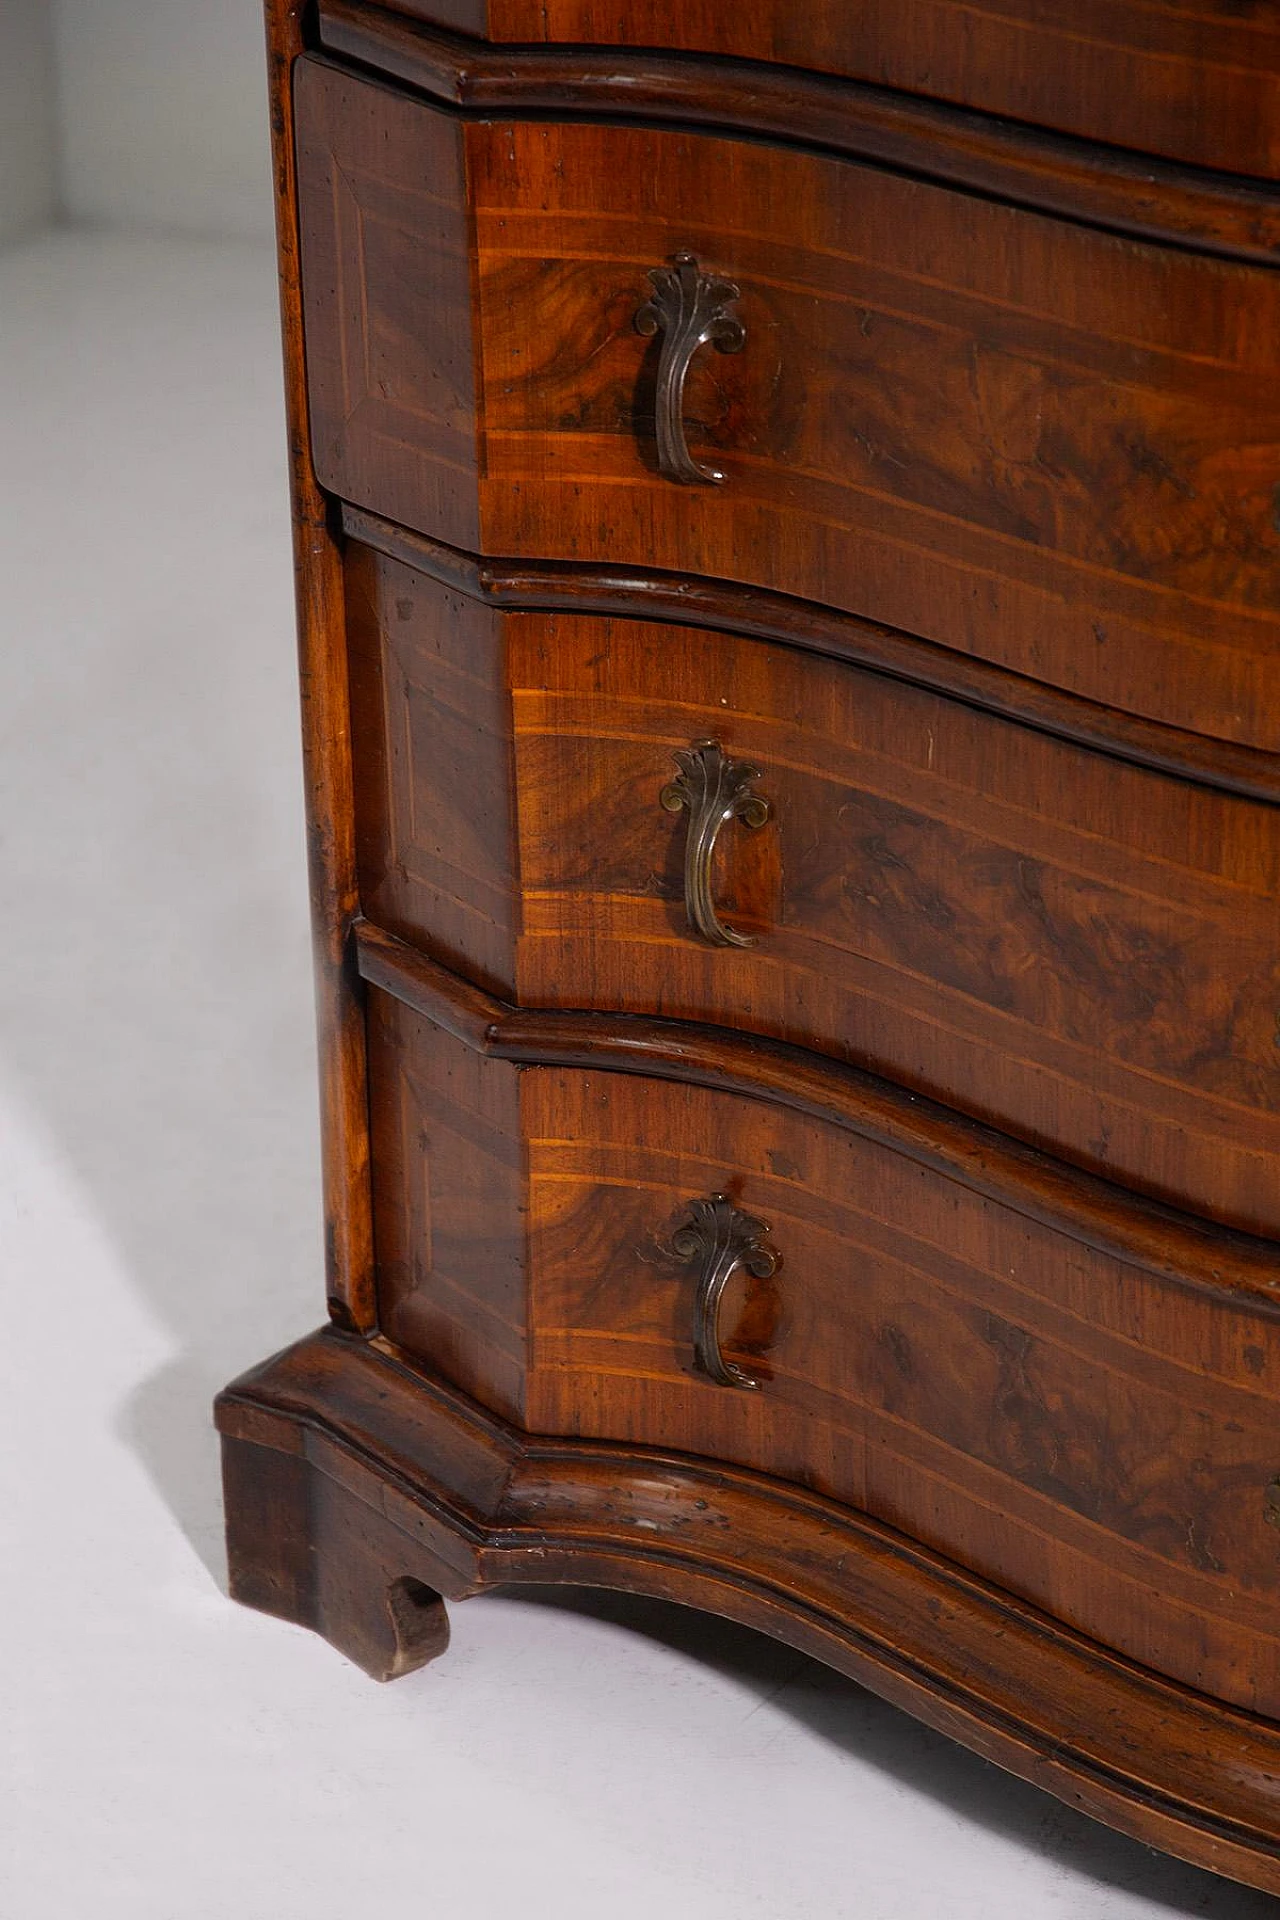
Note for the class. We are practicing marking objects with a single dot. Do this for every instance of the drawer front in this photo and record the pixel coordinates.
(1196, 83)
(1060, 1420)
(1022, 438)
(1083, 952)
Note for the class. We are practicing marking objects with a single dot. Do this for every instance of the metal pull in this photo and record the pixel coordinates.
(721, 1239)
(689, 308)
(715, 789)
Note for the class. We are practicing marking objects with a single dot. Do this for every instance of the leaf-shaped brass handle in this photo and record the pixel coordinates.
(715, 789)
(689, 308)
(721, 1239)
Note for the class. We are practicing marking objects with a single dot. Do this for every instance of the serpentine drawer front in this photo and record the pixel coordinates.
(787, 517)
(1073, 1425)
(1014, 435)
(1081, 950)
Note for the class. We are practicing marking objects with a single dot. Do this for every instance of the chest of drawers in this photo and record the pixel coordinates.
(787, 508)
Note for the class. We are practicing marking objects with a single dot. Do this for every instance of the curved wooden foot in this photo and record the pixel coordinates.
(303, 1547)
(359, 1490)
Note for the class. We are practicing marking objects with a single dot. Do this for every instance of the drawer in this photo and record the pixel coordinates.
(1079, 950)
(1199, 84)
(1018, 436)
(1037, 1398)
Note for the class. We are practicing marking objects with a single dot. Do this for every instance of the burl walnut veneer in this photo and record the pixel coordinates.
(787, 505)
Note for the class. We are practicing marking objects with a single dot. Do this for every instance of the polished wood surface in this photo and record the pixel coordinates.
(449, 1198)
(1075, 949)
(1171, 1245)
(927, 1352)
(326, 733)
(1129, 193)
(646, 593)
(1201, 82)
(472, 1504)
(1015, 436)
(436, 823)
(669, 1288)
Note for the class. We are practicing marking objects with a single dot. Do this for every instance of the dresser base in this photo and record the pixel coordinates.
(361, 1493)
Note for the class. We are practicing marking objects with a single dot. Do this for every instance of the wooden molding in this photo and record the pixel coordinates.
(1174, 1246)
(361, 1489)
(1052, 173)
(647, 593)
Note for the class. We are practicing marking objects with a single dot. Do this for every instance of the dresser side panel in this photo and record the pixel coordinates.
(382, 202)
(432, 752)
(448, 1179)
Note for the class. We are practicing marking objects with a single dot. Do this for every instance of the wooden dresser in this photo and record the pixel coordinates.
(788, 531)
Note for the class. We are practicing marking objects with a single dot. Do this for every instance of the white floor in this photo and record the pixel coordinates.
(167, 1755)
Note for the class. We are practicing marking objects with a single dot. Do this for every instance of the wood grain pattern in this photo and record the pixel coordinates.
(423, 1484)
(435, 819)
(326, 736)
(1018, 438)
(449, 1200)
(989, 595)
(1198, 81)
(1176, 1248)
(644, 593)
(1079, 951)
(1127, 192)
(393, 390)
(1070, 1434)
(1077, 1428)
(299, 1547)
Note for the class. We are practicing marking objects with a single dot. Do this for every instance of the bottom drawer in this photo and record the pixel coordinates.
(1069, 1392)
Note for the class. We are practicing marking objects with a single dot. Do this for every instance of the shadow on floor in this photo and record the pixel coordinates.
(856, 1722)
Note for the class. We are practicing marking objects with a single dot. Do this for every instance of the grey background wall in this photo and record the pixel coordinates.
(28, 192)
(134, 113)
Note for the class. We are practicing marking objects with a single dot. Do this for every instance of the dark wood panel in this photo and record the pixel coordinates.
(326, 741)
(1083, 1433)
(1174, 1247)
(1197, 79)
(1080, 952)
(1021, 439)
(644, 593)
(1074, 949)
(1127, 192)
(425, 1494)
(392, 382)
(435, 800)
(448, 1197)
(923, 1357)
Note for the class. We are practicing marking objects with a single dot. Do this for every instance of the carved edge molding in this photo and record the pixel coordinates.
(1231, 1267)
(646, 593)
(1098, 186)
(473, 1502)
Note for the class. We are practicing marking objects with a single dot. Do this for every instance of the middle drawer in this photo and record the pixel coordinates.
(625, 815)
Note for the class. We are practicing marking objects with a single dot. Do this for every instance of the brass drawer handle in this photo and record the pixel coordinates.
(715, 789)
(721, 1239)
(689, 308)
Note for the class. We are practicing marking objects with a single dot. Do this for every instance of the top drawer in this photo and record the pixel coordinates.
(1013, 434)
(1197, 80)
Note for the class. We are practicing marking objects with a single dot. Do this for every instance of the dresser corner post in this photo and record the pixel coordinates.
(326, 743)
